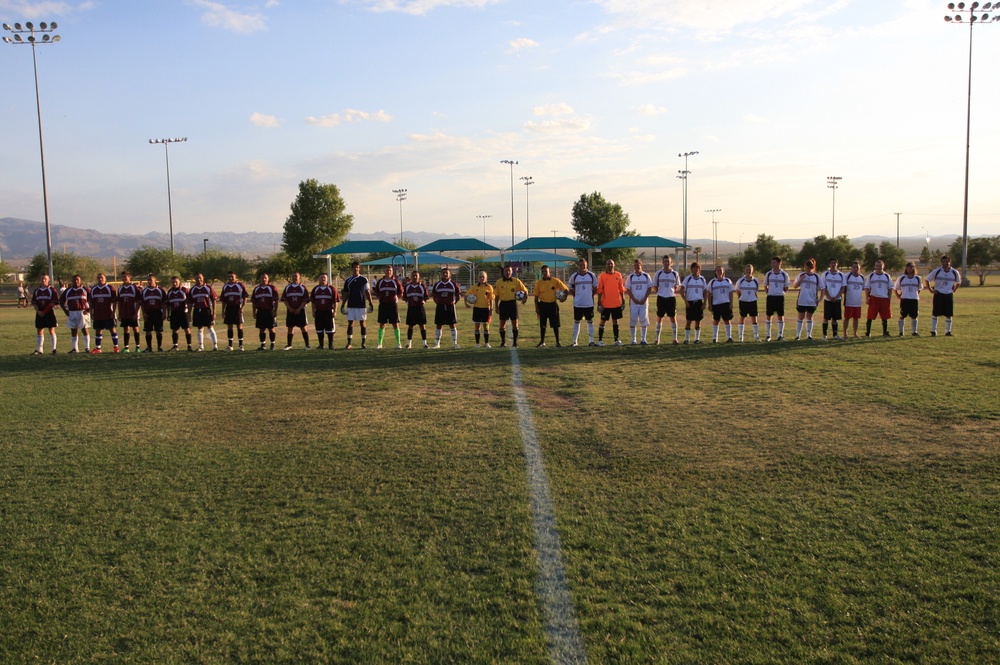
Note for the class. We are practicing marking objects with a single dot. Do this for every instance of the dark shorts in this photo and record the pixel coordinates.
(908, 308)
(548, 314)
(943, 305)
(104, 324)
(723, 311)
(695, 310)
(611, 313)
(153, 322)
(179, 320)
(580, 313)
(444, 315)
(481, 314)
(45, 321)
(233, 315)
(832, 310)
(416, 315)
(129, 323)
(775, 305)
(805, 309)
(507, 310)
(202, 317)
(264, 319)
(296, 320)
(748, 308)
(323, 320)
(388, 312)
(666, 307)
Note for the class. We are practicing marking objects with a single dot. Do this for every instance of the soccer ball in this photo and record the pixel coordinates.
(521, 296)
(471, 299)
(561, 295)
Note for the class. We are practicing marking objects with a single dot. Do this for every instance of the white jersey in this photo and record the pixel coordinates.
(809, 287)
(666, 283)
(639, 284)
(694, 288)
(945, 281)
(722, 290)
(879, 286)
(584, 286)
(833, 282)
(748, 288)
(776, 283)
(854, 286)
(908, 287)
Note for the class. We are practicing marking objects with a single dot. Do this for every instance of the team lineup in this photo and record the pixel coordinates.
(843, 295)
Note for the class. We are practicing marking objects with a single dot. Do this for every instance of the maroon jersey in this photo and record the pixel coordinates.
(202, 297)
(265, 297)
(75, 299)
(389, 290)
(152, 299)
(415, 294)
(129, 299)
(446, 293)
(234, 294)
(295, 296)
(324, 298)
(102, 299)
(177, 299)
(45, 299)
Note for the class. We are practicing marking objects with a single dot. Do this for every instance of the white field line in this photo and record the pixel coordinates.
(561, 627)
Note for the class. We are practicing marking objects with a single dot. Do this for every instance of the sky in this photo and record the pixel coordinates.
(775, 96)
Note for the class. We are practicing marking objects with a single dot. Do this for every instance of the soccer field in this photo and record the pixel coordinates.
(746, 503)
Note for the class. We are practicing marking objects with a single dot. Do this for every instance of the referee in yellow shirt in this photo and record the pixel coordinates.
(546, 307)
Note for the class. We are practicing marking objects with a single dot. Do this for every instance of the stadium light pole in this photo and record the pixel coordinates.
(715, 235)
(17, 40)
(205, 245)
(897, 214)
(528, 181)
(400, 196)
(974, 18)
(833, 182)
(170, 208)
(511, 163)
(484, 218)
(684, 202)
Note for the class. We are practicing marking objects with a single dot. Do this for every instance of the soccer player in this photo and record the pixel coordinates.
(610, 300)
(808, 284)
(505, 290)
(356, 295)
(908, 287)
(638, 286)
(389, 290)
(721, 289)
(582, 286)
(747, 287)
(833, 295)
(943, 282)
(75, 301)
(776, 283)
(177, 303)
(665, 284)
(546, 306)
(202, 298)
(234, 298)
(446, 292)
(324, 299)
(693, 291)
(854, 286)
(878, 288)
(415, 294)
(45, 299)
(264, 306)
(296, 296)
(103, 298)
(22, 296)
(154, 301)
(482, 311)
(129, 308)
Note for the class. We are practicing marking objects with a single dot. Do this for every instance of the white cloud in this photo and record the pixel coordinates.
(569, 125)
(262, 120)
(651, 109)
(218, 15)
(553, 109)
(44, 10)
(753, 118)
(520, 44)
(349, 115)
(421, 7)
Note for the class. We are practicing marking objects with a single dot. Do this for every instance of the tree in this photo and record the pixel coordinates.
(597, 221)
(64, 265)
(869, 255)
(318, 220)
(4, 271)
(925, 255)
(759, 253)
(152, 260)
(697, 253)
(823, 249)
(984, 253)
(215, 266)
(277, 266)
(893, 257)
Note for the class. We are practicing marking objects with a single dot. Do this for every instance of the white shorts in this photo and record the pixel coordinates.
(639, 314)
(357, 313)
(77, 320)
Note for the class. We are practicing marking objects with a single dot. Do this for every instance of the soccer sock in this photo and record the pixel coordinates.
(913, 325)
(41, 339)
(756, 330)
(673, 328)
(454, 336)
(212, 336)
(542, 340)
(715, 332)
(590, 330)
(53, 336)
(305, 337)
(614, 329)
(239, 334)
(381, 335)
(98, 338)
(697, 334)
(809, 328)
(409, 333)
(600, 333)
(262, 335)
(503, 334)
(423, 334)
(934, 324)
(364, 333)
(834, 330)
(159, 340)
(149, 341)
(486, 334)
(729, 331)
(781, 328)
(885, 326)
(319, 338)
(397, 332)
(687, 334)
(273, 336)
(477, 337)
(187, 336)
(86, 341)
(576, 331)
(632, 332)
(288, 338)
(901, 321)
(868, 327)
(114, 337)
(515, 333)
(769, 327)
(798, 328)
(437, 336)
(229, 335)
(555, 332)
(126, 338)
(659, 329)
(826, 328)
(174, 335)
(947, 324)
(329, 339)
(741, 331)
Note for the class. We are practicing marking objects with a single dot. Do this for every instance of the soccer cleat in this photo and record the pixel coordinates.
(487, 346)
(618, 342)
(190, 348)
(363, 345)
(729, 341)
(173, 348)
(262, 347)
(756, 338)
(348, 347)
(95, 351)
(539, 345)
(503, 344)
(634, 343)
(933, 334)
(126, 350)
(437, 345)
(514, 345)
(117, 350)
(241, 348)
(409, 344)
(54, 352)
(676, 342)
(916, 334)
(477, 345)
(573, 344)
(308, 348)
(900, 334)
(399, 346)
(809, 338)
(600, 343)
(72, 351)
(885, 334)
(200, 349)
(147, 350)
(288, 348)
(591, 343)
(768, 339)
(697, 341)
(948, 334)
(455, 345)
(643, 343)
(426, 345)
(379, 346)
(159, 349)
(780, 338)
(36, 352)
(558, 345)
(868, 334)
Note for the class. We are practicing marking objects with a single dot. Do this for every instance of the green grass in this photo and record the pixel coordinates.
(725, 504)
